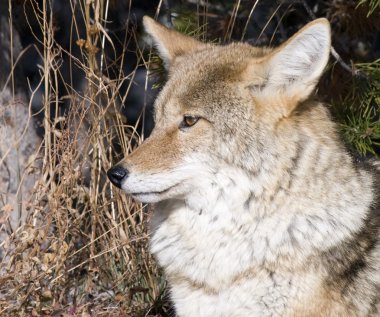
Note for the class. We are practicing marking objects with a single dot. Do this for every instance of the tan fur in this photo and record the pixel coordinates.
(259, 208)
(174, 43)
(321, 304)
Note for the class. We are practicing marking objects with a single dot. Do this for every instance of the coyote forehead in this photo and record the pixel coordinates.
(211, 79)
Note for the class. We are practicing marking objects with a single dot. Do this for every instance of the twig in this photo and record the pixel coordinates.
(334, 53)
(248, 19)
(168, 13)
(103, 39)
(231, 23)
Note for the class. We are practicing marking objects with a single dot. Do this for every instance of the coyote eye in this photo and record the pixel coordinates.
(189, 121)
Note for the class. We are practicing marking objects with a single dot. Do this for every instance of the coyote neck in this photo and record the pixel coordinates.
(234, 225)
(259, 232)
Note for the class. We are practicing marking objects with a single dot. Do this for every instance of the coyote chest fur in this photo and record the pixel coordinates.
(259, 209)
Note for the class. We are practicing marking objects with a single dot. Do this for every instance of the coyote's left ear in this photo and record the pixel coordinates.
(169, 43)
(297, 64)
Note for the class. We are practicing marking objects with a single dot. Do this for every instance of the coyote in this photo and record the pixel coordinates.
(259, 208)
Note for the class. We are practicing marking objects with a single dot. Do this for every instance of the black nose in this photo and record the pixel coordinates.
(116, 175)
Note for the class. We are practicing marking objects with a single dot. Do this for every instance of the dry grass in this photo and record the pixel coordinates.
(82, 249)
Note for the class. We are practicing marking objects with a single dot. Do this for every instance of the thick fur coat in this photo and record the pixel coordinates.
(259, 208)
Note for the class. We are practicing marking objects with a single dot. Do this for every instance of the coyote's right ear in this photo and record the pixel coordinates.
(169, 43)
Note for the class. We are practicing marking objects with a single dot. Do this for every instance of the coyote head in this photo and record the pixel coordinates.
(221, 106)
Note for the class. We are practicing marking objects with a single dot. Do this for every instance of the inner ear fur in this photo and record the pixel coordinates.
(296, 66)
(169, 43)
(288, 74)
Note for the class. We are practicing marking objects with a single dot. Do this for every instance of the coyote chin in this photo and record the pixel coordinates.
(259, 208)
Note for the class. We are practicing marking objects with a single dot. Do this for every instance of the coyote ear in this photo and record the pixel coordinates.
(169, 43)
(297, 64)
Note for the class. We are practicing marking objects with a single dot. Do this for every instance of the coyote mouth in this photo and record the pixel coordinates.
(153, 192)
